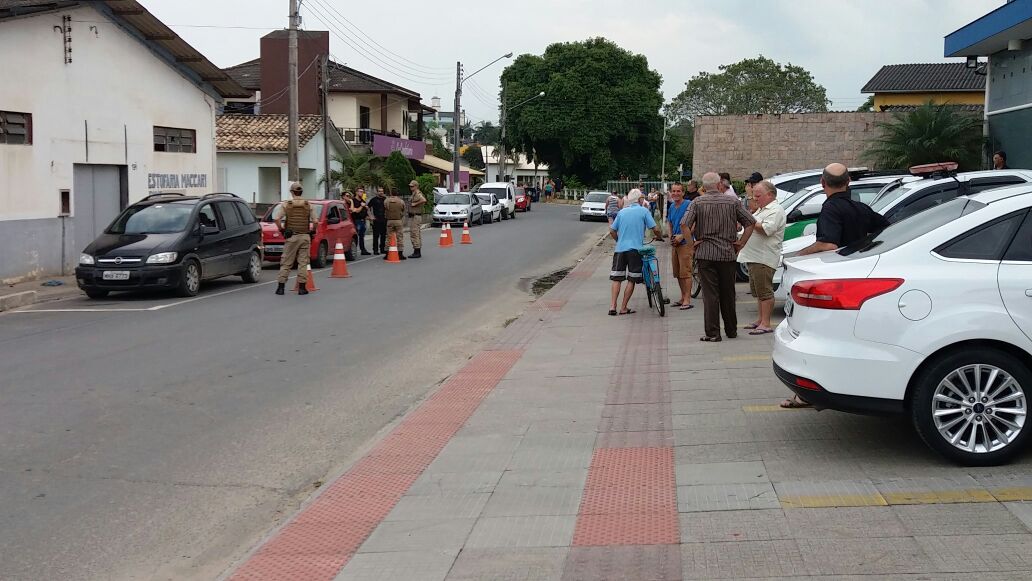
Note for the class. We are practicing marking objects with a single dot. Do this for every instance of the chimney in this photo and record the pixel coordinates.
(435, 102)
(311, 46)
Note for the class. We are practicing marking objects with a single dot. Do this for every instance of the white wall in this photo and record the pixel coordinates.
(241, 169)
(116, 86)
(343, 109)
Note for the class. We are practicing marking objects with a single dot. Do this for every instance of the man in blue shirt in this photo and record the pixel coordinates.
(628, 229)
(682, 251)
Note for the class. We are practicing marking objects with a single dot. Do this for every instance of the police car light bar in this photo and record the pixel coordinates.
(932, 168)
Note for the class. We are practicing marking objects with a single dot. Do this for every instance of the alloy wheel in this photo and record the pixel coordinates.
(255, 266)
(979, 408)
(193, 278)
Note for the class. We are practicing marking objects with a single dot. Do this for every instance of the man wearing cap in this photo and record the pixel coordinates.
(394, 208)
(295, 218)
(416, 202)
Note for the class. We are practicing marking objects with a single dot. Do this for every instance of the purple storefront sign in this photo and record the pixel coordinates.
(383, 145)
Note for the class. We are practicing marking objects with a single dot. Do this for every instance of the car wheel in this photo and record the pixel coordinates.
(971, 406)
(742, 272)
(481, 222)
(490, 217)
(505, 213)
(190, 283)
(349, 252)
(582, 218)
(320, 257)
(254, 269)
(95, 293)
(513, 215)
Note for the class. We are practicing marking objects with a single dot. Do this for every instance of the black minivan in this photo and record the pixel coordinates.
(173, 241)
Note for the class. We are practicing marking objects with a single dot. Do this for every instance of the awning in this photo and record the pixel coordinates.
(444, 166)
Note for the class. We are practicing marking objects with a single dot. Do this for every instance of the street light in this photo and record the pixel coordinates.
(456, 115)
(505, 111)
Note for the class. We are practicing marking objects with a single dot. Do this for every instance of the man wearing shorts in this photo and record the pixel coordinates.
(681, 251)
(762, 252)
(628, 229)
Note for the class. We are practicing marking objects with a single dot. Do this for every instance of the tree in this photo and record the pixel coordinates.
(868, 105)
(359, 170)
(487, 133)
(473, 156)
(593, 123)
(435, 134)
(427, 182)
(928, 134)
(400, 170)
(751, 86)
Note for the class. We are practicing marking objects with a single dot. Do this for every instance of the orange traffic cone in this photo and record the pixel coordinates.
(446, 240)
(466, 239)
(309, 282)
(340, 263)
(392, 250)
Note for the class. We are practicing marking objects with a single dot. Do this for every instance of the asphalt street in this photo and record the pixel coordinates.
(148, 437)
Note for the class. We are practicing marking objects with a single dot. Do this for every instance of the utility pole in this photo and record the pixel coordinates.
(292, 171)
(326, 127)
(501, 143)
(455, 122)
(662, 171)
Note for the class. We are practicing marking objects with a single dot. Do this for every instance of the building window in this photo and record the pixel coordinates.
(178, 140)
(15, 128)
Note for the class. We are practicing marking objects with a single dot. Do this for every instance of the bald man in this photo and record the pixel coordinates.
(843, 220)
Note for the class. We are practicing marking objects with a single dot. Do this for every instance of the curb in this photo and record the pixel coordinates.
(19, 299)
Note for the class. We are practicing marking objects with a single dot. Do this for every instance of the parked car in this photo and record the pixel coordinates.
(792, 182)
(491, 206)
(172, 241)
(803, 207)
(523, 200)
(506, 193)
(458, 208)
(334, 226)
(594, 206)
(931, 318)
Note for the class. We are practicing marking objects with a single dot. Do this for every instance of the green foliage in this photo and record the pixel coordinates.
(573, 182)
(400, 171)
(739, 186)
(487, 133)
(359, 170)
(868, 105)
(437, 147)
(751, 86)
(474, 157)
(427, 182)
(928, 134)
(600, 114)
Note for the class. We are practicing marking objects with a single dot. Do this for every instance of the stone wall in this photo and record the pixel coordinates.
(770, 144)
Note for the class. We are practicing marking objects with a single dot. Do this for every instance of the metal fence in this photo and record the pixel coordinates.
(622, 187)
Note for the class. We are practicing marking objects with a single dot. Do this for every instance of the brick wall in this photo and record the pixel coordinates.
(770, 144)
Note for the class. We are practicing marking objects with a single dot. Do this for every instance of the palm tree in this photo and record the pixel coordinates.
(359, 170)
(928, 134)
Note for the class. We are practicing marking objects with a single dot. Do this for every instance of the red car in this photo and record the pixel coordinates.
(523, 200)
(334, 226)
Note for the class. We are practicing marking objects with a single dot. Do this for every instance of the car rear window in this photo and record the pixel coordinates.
(912, 228)
(500, 192)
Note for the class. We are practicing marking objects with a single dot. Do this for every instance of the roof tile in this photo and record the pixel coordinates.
(925, 77)
(262, 132)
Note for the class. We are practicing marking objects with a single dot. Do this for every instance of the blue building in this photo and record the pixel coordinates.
(1005, 36)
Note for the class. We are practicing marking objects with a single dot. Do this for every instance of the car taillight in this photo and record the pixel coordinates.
(807, 384)
(846, 294)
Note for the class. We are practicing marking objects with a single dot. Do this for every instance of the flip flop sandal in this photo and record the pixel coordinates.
(685, 307)
(750, 326)
(795, 404)
(677, 304)
(629, 312)
(761, 331)
(612, 312)
(710, 339)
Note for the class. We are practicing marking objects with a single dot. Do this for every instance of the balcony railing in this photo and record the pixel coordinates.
(356, 135)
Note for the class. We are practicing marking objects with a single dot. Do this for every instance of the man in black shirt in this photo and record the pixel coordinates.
(843, 220)
(379, 216)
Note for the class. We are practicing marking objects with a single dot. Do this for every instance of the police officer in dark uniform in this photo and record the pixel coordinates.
(378, 210)
(843, 220)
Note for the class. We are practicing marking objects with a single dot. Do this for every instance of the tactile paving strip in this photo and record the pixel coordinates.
(318, 542)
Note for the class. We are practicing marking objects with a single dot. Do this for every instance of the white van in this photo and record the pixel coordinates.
(506, 193)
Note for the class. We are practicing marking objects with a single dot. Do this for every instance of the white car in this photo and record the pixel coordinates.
(491, 206)
(506, 193)
(931, 318)
(594, 206)
(458, 209)
(795, 181)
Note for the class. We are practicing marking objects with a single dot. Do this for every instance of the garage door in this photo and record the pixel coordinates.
(96, 200)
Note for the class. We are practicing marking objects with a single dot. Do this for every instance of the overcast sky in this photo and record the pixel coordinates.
(842, 42)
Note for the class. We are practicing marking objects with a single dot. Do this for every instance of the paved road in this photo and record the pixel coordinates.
(155, 438)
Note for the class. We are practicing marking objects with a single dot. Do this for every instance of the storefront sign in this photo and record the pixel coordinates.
(383, 145)
(176, 181)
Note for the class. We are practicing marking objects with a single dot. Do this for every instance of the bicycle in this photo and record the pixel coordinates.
(696, 280)
(651, 278)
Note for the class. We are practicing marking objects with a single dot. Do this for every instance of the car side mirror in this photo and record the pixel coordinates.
(795, 216)
(333, 220)
(209, 230)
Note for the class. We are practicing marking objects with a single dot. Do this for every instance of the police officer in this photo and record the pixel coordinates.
(296, 220)
(843, 220)
(394, 208)
(379, 217)
(415, 218)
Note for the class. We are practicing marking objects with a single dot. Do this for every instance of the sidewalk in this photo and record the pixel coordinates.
(583, 446)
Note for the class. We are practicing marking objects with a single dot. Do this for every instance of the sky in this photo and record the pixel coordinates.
(842, 43)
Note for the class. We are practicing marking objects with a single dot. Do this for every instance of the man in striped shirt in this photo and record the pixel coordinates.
(713, 220)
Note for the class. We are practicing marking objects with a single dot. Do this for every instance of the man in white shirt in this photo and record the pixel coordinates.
(763, 251)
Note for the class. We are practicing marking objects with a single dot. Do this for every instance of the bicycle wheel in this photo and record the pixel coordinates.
(658, 291)
(696, 281)
(646, 277)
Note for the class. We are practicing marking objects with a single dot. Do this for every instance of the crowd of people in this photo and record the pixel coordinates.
(711, 230)
(387, 214)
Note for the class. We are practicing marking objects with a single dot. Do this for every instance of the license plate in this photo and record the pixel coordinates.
(116, 275)
(274, 248)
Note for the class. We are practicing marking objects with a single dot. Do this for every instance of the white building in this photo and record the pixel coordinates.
(100, 105)
(252, 156)
(518, 169)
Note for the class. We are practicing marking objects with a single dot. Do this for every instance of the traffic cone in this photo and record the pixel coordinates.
(466, 239)
(451, 239)
(309, 282)
(340, 263)
(445, 236)
(392, 250)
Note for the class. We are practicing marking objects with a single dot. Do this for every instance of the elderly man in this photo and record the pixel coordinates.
(628, 229)
(713, 220)
(725, 185)
(692, 190)
(843, 220)
(763, 251)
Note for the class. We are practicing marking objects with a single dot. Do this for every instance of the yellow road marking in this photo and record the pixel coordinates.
(1012, 494)
(756, 357)
(939, 497)
(810, 501)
